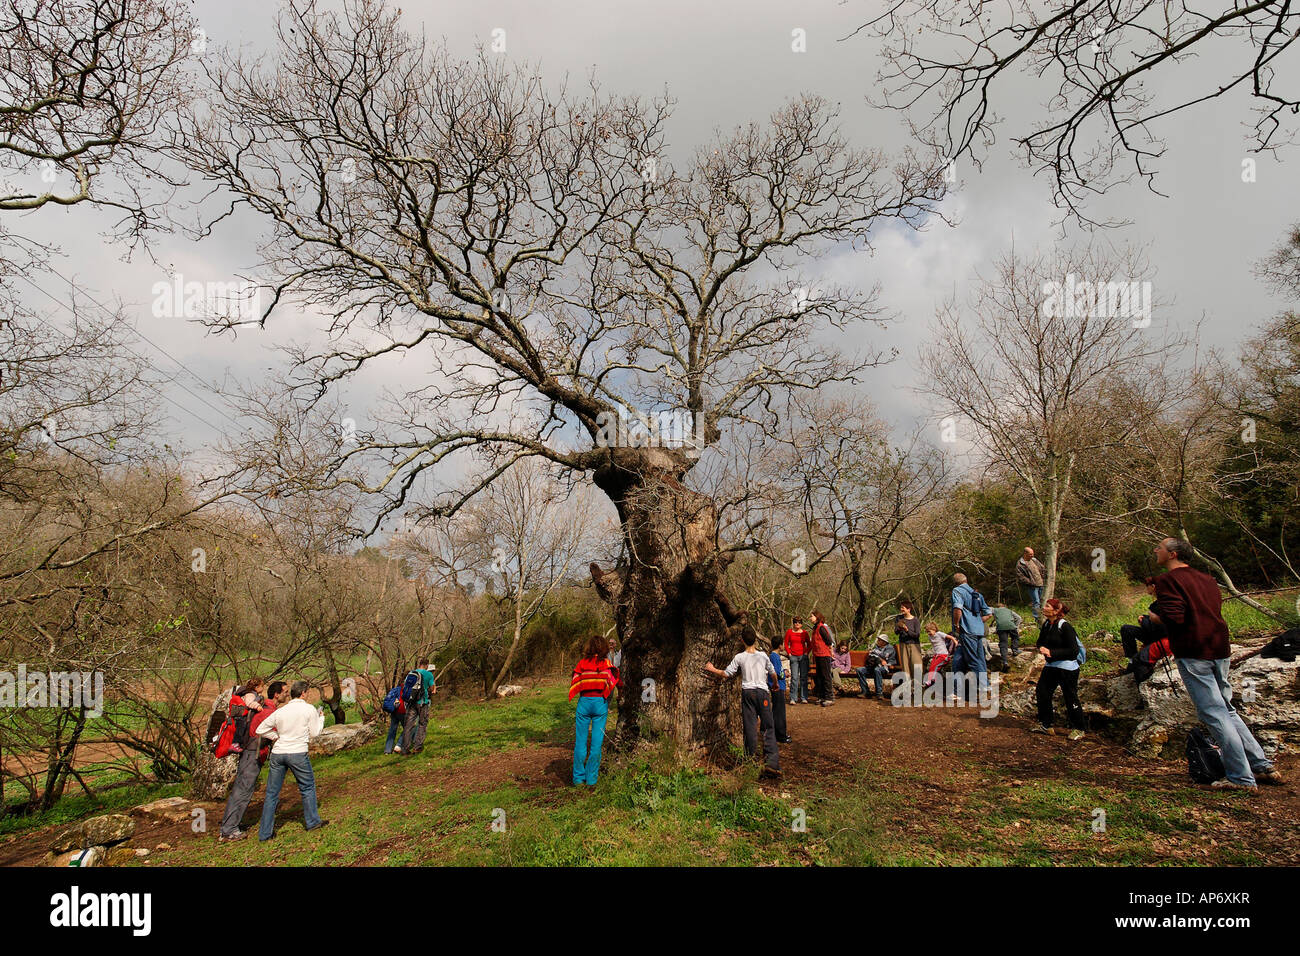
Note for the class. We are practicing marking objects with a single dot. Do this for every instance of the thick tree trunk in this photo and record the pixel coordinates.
(1049, 576)
(860, 594)
(669, 608)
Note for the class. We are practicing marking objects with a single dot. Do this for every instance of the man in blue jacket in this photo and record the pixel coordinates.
(968, 610)
(778, 693)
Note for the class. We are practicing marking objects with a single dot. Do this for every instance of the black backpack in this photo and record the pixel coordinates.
(1204, 762)
(1285, 646)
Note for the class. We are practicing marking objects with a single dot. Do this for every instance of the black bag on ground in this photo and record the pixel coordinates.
(1285, 646)
(1204, 762)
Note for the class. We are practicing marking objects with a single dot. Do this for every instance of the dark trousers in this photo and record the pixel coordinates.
(778, 715)
(417, 724)
(756, 715)
(1068, 681)
(824, 689)
(241, 791)
(1006, 638)
(1135, 636)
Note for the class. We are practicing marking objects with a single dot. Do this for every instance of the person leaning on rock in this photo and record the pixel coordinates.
(1189, 605)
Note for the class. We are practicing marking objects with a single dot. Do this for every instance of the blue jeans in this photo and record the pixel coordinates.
(1207, 685)
(394, 728)
(1035, 601)
(592, 712)
(799, 678)
(306, 781)
(878, 673)
(970, 658)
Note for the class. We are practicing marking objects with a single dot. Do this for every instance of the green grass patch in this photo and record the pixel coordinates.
(79, 806)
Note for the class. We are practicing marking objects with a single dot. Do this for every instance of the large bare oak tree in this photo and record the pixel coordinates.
(537, 248)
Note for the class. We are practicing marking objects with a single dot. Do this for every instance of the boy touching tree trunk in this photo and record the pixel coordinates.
(756, 673)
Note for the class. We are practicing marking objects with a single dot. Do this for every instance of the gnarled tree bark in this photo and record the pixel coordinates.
(669, 606)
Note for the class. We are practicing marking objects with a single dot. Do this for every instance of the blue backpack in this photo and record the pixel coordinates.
(1083, 652)
(411, 687)
(393, 703)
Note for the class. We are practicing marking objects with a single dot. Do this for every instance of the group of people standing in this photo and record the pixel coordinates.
(803, 647)
(413, 722)
(280, 731)
(1184, 623)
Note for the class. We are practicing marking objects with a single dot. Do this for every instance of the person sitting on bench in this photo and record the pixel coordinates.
(841, 665)
(880, 664)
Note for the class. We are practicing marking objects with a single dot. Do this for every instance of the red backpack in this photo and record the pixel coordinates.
(234, 729)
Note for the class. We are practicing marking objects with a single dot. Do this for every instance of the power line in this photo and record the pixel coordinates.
(179, 364)
(161, 394)
(169, 378)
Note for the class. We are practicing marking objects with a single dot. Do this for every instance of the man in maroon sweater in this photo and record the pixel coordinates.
(1190, 606)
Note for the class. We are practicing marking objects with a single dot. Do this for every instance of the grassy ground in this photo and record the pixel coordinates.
(77, 805)
(505, 762)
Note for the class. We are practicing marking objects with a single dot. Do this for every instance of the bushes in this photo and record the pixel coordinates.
(1091, 594)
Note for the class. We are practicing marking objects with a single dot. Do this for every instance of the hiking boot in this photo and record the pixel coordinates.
(770, 772)
(1076, 735)
(231, 838)
(1040, 729)
(828, 703)
(397, 750)
(1225, 784)
(1273, 778)
(320, 826)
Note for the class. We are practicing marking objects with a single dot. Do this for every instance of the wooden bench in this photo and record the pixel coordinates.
(850, 681)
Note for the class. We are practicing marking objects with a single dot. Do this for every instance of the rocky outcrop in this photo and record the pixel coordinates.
(97, 831)
(166, 810)
(510, 690)
(338, 737)
(1153, 720)
(90, 842)
(91, 856)
(211, 778)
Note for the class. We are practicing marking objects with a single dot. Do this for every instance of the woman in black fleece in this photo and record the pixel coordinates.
(1059, 645)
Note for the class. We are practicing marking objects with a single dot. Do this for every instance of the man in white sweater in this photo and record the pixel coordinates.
(291, 727)
(757, 678)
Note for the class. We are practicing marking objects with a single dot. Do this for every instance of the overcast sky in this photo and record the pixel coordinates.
(727, 63)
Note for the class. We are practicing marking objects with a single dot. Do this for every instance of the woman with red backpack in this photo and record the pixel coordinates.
(594, 680)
